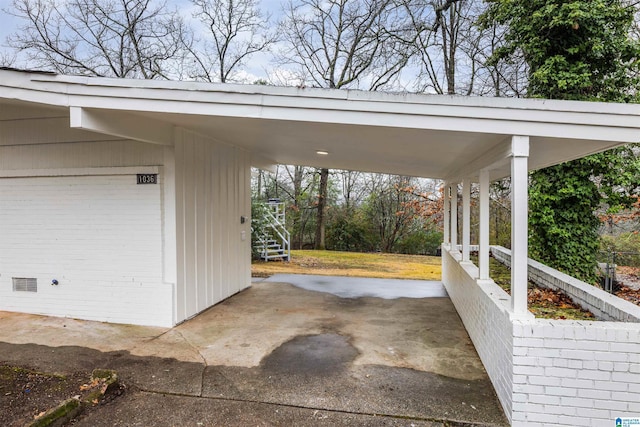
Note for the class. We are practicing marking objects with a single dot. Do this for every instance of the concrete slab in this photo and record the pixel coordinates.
(356, 287)
(280, 352)
(174, 410)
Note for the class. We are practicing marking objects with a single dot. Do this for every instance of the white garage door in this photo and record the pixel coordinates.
(99, 237)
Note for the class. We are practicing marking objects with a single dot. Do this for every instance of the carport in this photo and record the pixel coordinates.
(199, 141)
(278, 354)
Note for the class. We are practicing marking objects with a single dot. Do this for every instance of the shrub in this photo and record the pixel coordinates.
(348, 233)
(420, 242)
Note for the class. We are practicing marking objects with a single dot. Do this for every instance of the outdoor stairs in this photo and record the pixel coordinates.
(274, 241)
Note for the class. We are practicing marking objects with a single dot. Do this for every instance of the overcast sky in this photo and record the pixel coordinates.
(8, 23)
(254, 70)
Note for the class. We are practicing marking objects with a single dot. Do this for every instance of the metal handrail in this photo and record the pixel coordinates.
(275, 217)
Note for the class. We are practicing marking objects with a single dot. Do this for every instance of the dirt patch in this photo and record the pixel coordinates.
(26, 394)
(627, 286)
(549, 304)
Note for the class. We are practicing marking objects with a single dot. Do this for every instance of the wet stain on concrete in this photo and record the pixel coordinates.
(321, 354)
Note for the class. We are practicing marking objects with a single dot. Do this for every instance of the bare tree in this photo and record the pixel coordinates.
(322, 209)
(452, 58)
(7, 59)
(346, 43)
(352, 188)
(235, 30)
(388, 208)
(438, 49)
(115, 38)
(502, 78)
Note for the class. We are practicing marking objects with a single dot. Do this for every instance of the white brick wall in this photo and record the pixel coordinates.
(483, 310)
(602, 304)
(548, 372)
(584, 370)
(141, 254)
(98, 235)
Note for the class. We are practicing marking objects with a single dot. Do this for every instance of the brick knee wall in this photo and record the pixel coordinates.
(548, 372)
(602, 304)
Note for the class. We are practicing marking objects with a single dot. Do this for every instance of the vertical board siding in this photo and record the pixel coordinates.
(22, 124)
(99, 236)
(202, 188)
(180, 305)
(212, 192)
(23, 111)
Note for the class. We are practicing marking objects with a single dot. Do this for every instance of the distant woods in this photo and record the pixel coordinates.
(366, 212)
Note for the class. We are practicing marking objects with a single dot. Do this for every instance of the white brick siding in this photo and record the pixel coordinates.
(483, 308)
(596, 382)
(98, 235)
(70, 209)
(548, 372)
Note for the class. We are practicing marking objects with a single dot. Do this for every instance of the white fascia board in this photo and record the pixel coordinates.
(619, 128)
(123, 125)
(216, 89)
(379, 101)
(544, 118)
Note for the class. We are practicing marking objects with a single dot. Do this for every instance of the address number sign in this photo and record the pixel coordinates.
(147, 178)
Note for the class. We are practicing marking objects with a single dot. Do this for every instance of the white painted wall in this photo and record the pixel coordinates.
(122, 252)
(484, 309)
(547, 372)
(98, 235)
(212, 193)
(570, 373)
(70, 209)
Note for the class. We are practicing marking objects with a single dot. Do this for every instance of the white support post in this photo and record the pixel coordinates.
(483, 250)
(447, 213)
(466, 218)
(454, 217)
(519, 227)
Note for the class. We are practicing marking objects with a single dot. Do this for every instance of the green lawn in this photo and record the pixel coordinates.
(335, 263)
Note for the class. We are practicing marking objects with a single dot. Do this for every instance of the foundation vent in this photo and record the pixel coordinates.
(22, 284)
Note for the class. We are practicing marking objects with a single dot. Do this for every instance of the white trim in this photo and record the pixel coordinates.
(519, 224)
(169, 253)
(206, 89)
(446, 195)
(483, 244)
(466, 218)
(123, 125)
(286, 124)
(128, 170)
(454, 216)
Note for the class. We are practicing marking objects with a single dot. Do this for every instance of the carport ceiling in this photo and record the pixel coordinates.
(443, 137)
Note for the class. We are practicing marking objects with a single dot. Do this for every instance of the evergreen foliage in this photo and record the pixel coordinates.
(575, 50)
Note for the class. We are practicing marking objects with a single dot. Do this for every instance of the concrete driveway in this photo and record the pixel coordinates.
(278, 354)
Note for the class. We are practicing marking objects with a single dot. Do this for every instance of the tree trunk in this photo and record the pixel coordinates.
(322, 207)
(298, 172)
